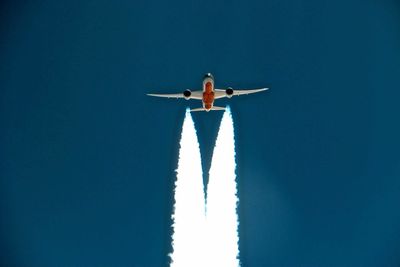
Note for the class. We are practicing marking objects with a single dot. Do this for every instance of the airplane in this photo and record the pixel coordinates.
(209, 94)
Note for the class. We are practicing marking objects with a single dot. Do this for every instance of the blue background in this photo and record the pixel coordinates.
(87, 160)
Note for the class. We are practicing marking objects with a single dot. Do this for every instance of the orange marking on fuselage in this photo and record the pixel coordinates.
(208, 96)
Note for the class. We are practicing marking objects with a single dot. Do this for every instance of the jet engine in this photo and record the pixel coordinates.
(229, 92)
(187, 93)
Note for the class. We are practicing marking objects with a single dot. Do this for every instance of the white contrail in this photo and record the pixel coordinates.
(189, 209)
(222, 219)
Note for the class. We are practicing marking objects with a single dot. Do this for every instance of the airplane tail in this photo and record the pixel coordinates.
(203, 109)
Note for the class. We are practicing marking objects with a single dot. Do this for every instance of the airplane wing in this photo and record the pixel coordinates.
(220, 93)
(187, 95)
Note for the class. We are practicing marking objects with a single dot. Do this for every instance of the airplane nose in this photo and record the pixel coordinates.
(208, 75)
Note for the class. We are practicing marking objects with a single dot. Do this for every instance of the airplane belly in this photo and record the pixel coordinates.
(208, 95)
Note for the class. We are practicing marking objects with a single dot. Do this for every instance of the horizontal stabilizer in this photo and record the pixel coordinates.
(217, 108)
(203, 109)
(197, 109)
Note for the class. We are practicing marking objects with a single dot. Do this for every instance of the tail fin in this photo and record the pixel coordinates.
(203, 109)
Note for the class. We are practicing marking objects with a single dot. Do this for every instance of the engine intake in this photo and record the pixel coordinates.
(229, 92)
(187, 93)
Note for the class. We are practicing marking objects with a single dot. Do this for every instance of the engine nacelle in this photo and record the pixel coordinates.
(229, 92)
(187, 93)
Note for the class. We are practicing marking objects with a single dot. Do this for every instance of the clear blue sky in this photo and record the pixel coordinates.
(87, 160)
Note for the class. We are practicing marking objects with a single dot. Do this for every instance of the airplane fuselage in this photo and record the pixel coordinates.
(208, 92)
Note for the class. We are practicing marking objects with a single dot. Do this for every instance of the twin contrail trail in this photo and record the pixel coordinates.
(206, 233)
